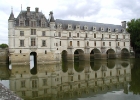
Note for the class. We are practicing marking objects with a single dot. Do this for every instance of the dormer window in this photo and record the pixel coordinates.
(102, 29)
(94, 28)
(78, 27)
(59, 25)
(116, 30)
(69, 26)
(122, 30)
(21, 23)
(108, 29)
(85, 28)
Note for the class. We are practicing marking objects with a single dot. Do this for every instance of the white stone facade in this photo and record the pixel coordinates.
(32, 32)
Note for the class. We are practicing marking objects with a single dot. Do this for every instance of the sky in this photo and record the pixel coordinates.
(102, 11)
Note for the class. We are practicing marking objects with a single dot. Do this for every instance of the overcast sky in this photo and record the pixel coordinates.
(102, 11)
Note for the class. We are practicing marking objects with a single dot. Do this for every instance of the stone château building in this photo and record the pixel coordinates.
(49, 39)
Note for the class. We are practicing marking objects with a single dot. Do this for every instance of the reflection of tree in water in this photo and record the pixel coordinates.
(95, 64)
(135, 77)
(79, 65)
(111, 64)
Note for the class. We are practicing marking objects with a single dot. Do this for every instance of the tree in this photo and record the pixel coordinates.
(134, 30)
(3, 46)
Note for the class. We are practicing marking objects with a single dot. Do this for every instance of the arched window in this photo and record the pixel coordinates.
(45, 52)
(20, 51)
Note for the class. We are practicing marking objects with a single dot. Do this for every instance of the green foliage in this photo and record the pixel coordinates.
(3, 46)
(134, 30)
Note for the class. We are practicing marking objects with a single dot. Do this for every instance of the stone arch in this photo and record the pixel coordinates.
(79, 54)
(111, 53)
(64, 55)
(125, 53)
(95, 54)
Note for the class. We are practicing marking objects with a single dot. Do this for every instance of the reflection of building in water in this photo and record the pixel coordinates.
(74, 79)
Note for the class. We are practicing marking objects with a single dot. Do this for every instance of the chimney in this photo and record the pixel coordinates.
(124, 24)
(36, 10)
(28, 9)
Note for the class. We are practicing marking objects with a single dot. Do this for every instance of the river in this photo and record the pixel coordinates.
(114, 79)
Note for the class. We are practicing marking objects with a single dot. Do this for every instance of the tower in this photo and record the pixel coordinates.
(11, 26)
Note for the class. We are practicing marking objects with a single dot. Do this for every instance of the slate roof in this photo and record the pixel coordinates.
(88, 24)
(32, 16)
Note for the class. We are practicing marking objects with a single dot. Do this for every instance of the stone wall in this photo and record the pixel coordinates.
(3, 56)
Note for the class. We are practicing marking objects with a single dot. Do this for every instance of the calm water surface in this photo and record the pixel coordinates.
(117, 79)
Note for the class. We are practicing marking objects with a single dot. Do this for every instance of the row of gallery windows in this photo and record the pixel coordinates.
(33, 43)
(33, 32)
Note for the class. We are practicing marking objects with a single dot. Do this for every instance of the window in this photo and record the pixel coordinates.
(110, 73)
(109, 36)
(56, 44)
(71, 78)
(44, 82)
(70, 86)
(78, 77)
(33, 23)
(43, 42)
(102, 36)
(20, 51)
(35, 93)
(125, 71)
(43, 24)
(118, 43)
(109, 43)
(33, 42)
(34, 83)
(59, 34)
(95, 43)
(70, 43)
(21, 33)
(116, 36)
(78, 44)
(86, 35)
(45, 91)
(69, 34)
(77, 34)
(124, 43)
(94, 35)
(23, 93)
(33, 31)
(21, 43)
(123, 36)
(95, 75)
(60, 43)
(21, 23)
(103, 43)
(87, 43)
(45, 52)
(43, 33)
(22, 84)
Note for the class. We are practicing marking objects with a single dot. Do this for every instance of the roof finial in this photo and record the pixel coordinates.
(21, 7)
(11, 9)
